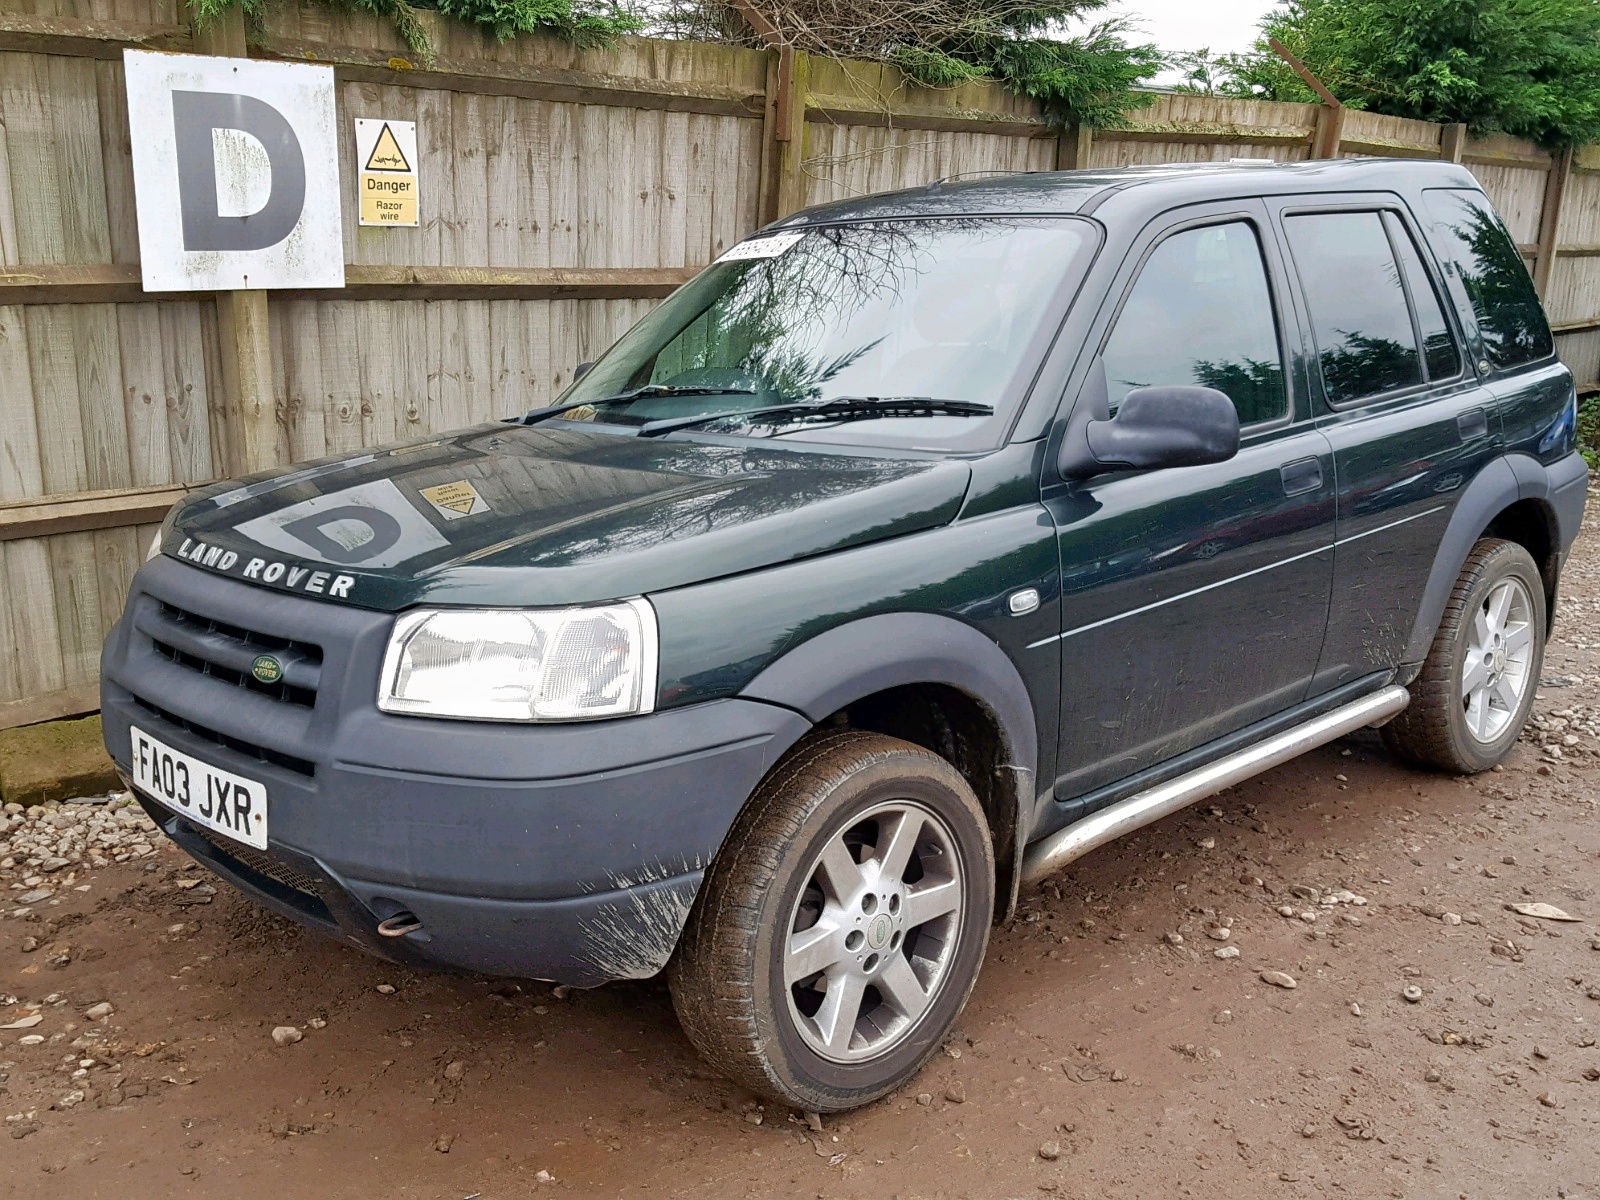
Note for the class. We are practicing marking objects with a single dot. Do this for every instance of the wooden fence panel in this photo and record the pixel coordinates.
(97, 397)
(1518, 194)
(357, 373)
(843, 161)
(154, 13)
(1373, 135)
(56, 160)
(1573, 297)
(59, 596)
(638, 186)
(1176, 129)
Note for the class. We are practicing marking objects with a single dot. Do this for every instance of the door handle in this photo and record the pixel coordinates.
(1473, 424)
(1302, 475)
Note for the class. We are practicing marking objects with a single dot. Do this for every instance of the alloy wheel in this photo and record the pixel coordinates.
(873, 932)
(1495, 676)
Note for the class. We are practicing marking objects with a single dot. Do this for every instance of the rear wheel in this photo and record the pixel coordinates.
(1477, 684)
(842, 927)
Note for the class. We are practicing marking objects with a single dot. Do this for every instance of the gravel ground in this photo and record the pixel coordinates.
(1312, 986)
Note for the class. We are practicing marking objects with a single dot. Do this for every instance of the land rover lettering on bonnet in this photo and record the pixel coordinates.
(917, 546)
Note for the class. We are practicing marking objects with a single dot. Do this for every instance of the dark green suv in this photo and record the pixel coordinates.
(917, 546)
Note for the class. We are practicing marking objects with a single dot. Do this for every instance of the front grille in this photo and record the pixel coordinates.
(237, 745)
(264, 864)
(226, 652)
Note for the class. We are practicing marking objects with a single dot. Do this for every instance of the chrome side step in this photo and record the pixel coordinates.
(1049, 854)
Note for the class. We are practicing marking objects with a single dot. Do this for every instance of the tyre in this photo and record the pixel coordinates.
(1478, 681)
(842, 925)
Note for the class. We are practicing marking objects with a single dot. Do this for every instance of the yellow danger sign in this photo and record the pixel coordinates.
(386, 160)
(386, 153)
(453, 501)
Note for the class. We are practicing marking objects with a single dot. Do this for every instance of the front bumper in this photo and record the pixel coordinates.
(562, 852)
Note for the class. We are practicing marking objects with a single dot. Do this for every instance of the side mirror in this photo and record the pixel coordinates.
(582, 369)
(1156, 427)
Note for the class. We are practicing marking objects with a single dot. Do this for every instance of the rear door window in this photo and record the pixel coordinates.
(1201, 313)
(1471, 240)
(1439, 351)
(1366, 343)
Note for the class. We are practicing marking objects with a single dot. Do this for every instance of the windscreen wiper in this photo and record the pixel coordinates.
(639, 393)
(842, 408)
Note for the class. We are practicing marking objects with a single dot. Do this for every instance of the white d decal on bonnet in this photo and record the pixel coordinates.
(370, 525)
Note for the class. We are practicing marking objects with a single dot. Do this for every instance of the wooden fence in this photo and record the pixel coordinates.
(563, 193)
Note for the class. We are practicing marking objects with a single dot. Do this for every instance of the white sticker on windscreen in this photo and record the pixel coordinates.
(770, 246)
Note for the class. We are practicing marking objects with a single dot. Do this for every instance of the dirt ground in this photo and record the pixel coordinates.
(1101, 1055)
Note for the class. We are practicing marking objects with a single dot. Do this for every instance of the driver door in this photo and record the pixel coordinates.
(1194, 599)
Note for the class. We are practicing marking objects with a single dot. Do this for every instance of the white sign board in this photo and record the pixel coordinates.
(235, 173)
(386, 172)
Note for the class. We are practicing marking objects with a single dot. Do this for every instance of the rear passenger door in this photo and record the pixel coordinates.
(1409, 424)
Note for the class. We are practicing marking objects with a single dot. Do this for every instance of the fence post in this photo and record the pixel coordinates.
(1453, 142)
(246, 410)
(783, 129)
(767, 187)
(1330, 132)
(1073, 147)
(790, 132)
(1555, 192)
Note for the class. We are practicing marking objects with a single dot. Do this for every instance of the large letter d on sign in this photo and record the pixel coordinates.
(194, 116)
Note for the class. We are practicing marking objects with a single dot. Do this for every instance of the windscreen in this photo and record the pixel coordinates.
(952, 309)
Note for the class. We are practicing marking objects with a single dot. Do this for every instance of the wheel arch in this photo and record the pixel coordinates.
(939, 683)
(1510, 499)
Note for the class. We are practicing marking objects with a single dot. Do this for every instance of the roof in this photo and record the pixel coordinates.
(1064, 192)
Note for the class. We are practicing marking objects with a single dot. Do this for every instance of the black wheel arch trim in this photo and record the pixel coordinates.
(1499, 485)
(872, 654)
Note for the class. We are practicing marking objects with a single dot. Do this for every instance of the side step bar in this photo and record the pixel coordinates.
(1049, 854)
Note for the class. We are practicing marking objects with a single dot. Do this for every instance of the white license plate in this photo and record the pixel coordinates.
(229, 804)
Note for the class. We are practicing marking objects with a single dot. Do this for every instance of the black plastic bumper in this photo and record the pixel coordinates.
(1569, 488)
(562, 852)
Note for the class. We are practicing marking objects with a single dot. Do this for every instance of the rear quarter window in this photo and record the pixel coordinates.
(1472, 243)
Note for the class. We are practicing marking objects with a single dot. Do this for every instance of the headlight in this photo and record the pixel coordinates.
(563, 664)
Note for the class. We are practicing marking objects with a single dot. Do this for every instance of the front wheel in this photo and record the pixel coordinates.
(1478, 682)
(842, 926)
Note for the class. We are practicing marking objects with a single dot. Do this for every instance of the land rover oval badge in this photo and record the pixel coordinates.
(266, 669)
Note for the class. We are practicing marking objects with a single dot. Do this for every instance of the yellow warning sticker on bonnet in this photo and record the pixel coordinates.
(455, 500)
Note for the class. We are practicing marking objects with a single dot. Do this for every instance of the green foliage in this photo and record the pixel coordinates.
(585, 23)
(1204, 74)
(1589, 430)
(1087, 78)
(1525, 67)
(207, 11)
(1255, 387)
(934, 67)
(404, 17)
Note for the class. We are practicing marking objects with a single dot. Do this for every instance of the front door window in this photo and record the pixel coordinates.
(1201, 313)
